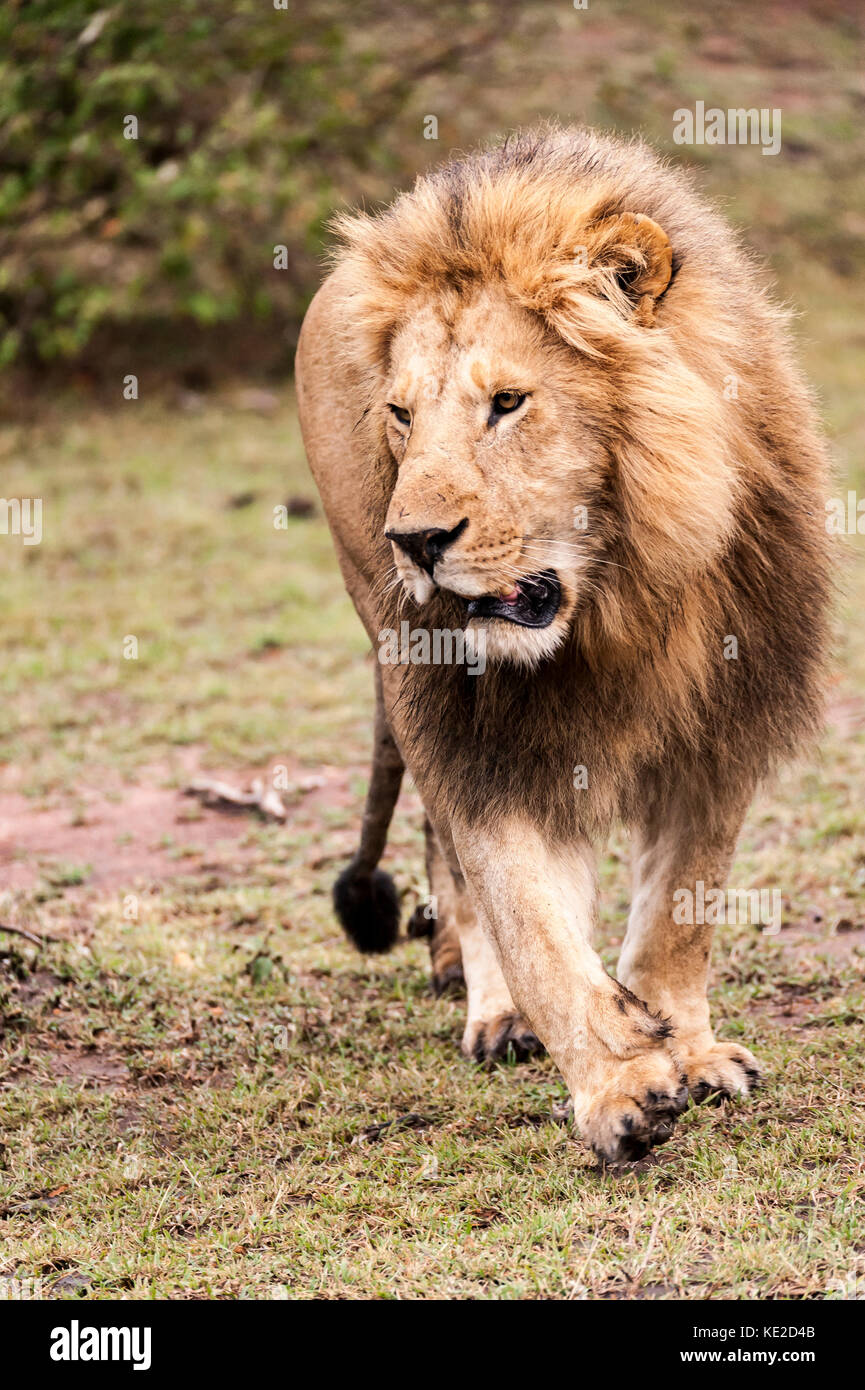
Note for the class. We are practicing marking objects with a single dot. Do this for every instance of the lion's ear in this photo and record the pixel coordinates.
(639, 253)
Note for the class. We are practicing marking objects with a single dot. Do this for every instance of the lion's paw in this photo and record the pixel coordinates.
(446, 961)
(495, 1039)
(637, 1108)
(720, 1070)
(450, 980)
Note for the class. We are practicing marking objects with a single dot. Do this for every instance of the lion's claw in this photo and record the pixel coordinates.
(508, 1033)
(637, 1110)
(652, 1125)
(722, 1071)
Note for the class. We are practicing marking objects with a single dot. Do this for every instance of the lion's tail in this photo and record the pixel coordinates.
(364, 896)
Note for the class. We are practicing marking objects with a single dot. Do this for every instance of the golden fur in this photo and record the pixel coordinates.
(662, 408)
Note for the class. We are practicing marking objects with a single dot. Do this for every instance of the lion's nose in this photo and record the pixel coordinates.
(426, 547)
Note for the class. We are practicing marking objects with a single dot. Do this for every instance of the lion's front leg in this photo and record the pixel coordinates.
(494, 1025)
(617, 1057)
(682, 858)
(461, 950)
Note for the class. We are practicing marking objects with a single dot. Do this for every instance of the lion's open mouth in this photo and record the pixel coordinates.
(534, 602)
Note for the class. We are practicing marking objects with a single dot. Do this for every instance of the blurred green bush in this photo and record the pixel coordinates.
(253, 123)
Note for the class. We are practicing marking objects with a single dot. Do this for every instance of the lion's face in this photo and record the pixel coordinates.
(493, 423)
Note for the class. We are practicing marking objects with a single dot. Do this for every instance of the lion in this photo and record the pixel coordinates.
(550, 404)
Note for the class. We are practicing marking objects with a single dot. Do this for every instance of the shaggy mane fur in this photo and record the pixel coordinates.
(641, 693)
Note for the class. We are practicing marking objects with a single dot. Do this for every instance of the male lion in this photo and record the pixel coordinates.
(546, 397)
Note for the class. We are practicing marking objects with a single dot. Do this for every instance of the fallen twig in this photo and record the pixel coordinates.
(38, 938)
(222, 796)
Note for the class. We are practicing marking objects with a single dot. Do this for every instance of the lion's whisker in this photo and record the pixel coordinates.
(591, 559)
(377, 590)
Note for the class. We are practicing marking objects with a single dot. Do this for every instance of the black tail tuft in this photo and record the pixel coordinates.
(367, 905)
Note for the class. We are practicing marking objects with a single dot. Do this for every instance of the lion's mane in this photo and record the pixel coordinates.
(645, 694)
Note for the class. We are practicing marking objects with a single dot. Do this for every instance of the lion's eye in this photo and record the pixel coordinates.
(401, 414)
(504, 402)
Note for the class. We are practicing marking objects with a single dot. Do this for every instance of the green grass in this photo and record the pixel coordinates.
(141, 540)
(203, 1091)
(219, 1137)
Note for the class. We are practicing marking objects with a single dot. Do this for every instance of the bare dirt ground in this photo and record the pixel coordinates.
(125, 838)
